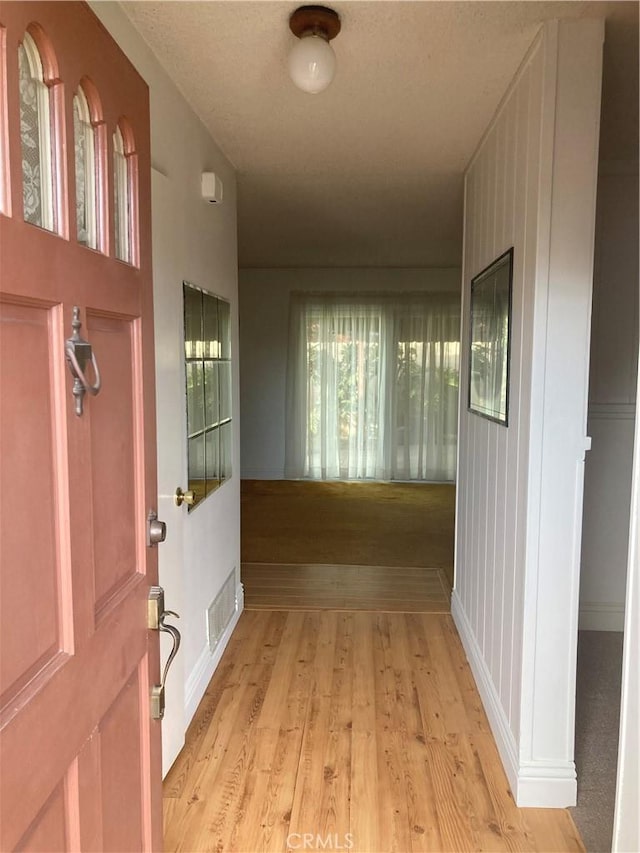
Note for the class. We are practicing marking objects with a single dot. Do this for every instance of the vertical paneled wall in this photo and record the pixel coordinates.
(514, 532)
(501, 202)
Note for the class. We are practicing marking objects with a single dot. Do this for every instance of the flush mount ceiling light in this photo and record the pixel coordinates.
(312, 62)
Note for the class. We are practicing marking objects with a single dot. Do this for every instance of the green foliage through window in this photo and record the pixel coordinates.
(373, 386)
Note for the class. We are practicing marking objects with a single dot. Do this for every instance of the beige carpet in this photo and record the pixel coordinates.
(360, 524)
(599, 679)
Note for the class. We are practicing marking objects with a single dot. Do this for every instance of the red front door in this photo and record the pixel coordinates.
(80, 754)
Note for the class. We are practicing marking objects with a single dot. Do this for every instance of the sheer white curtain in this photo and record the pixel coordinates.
(372, 386)
(424, 410)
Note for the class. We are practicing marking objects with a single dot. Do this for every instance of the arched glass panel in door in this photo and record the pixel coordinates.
(84, 136)
(36, 137)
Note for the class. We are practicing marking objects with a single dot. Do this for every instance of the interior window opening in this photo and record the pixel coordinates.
(207, 350)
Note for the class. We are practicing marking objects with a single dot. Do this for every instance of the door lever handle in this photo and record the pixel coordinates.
(157, 691)
(156, 614)
(175, 636)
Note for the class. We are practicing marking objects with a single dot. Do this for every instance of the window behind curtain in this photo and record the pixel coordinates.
(372, 387)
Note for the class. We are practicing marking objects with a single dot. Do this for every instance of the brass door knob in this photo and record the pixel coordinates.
(188, 497)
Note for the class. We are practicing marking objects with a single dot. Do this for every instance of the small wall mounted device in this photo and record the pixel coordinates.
(212, 189)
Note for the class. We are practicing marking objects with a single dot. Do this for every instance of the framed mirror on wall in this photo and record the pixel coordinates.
(207, 351)
(490, 340)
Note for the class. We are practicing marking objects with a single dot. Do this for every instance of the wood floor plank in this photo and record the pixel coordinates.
(313, 772)
(274, 706)
(179, 774)
(487, 829)
(337, 571)
(355, 729)
(340, 603)
(364, 758)
(454, 815)
(441, 651)
(252, 632)
(553, 830)
(382, 591)
(510, 820)
(392, 712)
(421, 800)
(335, 810)
(270, 823)
(219, 747)
(345, 587)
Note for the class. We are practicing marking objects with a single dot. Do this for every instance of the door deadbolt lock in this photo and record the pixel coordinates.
(188, 497)
(156, 530)
(156, 615)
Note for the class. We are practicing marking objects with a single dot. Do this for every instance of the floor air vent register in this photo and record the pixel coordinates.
(221, 611)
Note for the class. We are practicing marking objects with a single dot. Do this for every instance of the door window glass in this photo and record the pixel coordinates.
(5, 203)
(85, 163)
(35, 135)
(121, 199)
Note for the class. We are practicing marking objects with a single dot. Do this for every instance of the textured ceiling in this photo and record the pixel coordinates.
(368, 173)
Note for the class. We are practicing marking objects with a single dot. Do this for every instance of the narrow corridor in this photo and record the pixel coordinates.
(347, 731)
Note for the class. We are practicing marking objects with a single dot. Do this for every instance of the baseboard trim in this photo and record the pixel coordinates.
(263, 474)
(498, 721)
(601, 616)
(547, 786)
(534, 784)
(612, 411)
(206, 665)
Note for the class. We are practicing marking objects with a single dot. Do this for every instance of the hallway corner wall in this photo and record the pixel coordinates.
(532, 185)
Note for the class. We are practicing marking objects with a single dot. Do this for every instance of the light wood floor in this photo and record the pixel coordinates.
(270, 586)
(361, 731)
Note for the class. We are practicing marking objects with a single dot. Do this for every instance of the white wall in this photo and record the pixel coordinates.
(532, 185)
(193, 241)
(614, 351)
(264, 330)
(626, 827)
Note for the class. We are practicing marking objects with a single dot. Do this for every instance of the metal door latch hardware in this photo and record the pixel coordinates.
(155, 607)
(78, 354)
(156, 530)
(188, 497)
(156, 615)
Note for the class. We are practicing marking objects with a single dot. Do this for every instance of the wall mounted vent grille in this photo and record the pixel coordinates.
(221, 610)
